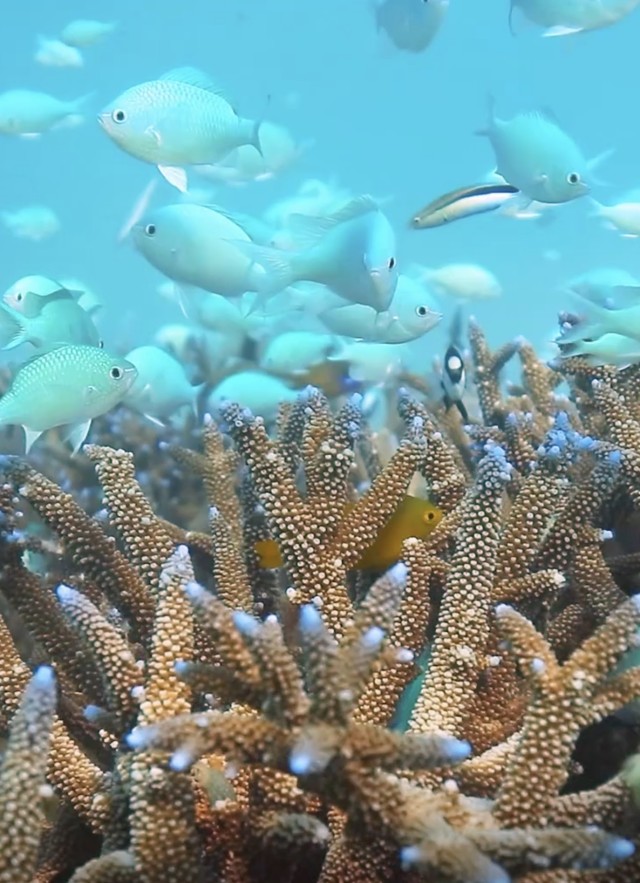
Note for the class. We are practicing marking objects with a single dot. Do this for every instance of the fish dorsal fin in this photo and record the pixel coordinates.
(308, 229)
(193, 77)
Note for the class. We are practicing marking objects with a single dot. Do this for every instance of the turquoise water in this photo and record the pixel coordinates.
(383, 122)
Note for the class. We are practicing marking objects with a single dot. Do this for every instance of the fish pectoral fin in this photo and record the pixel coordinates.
(176, 176)
(30, 436)
(512, 207)
(155, 421)
(77, 434)
(561, 31)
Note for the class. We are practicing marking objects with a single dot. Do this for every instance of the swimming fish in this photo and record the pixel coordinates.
(34, 222)
(462, 281)
(463, 203)
(598, 285)
(623, 318)
(535, 155)
(259, 392)
(411, 314)
(414, 517)
(85, 31)
(161, 385)
(565, 17)
(608, 349)
(454, 377)
(55, 53)
(371, 362)
(29, 114)
(27, 295)
(295, 352)
(411, 24)
(623, 217)
(198, 245)
(178, 120)
(60, 319)
(351, 251)
(67, 385)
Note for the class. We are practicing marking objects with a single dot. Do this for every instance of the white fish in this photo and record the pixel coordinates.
(462, 281)
(161, 386)
(294, 352)
(85, 32)
(34, 222)
(55, 53)
(623, 217)
(565, 17)
(608, 349)
(259, 392)
(371, 362)
(29, 114)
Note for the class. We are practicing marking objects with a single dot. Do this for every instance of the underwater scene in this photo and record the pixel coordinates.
(320, 442)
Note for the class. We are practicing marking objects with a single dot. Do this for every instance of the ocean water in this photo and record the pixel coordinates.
(383, 122)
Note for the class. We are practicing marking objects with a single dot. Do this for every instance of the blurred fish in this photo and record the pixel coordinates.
(454, 377)
(215, 313)
(198, 245)
(29, 114)
(621, 316)
(414, 517)
(463, 203)
(28, 294)
(68, 385)
(55, 53)
(410, 315)
(598, 285)
(623, 217)
(371, 362)
(351, 251)
(85, 32)
(179, 120)
(259, 392)
(60, 320)
(463, 281)
(565, 17)
(161, 386)
(411, 24)
(313, 197)
(278, 151)
(34, 222)
(535, 155)
(85, 296)
(609, 349)
(295, 352)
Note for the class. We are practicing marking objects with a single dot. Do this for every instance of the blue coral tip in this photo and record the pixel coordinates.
(457, 750)
(245, 623)
(310, 620)
(619, 848)
(44, 676)
(65, 593)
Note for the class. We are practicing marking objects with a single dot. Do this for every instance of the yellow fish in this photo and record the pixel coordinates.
(414, 517)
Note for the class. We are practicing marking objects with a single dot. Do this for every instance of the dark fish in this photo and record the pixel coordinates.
(454, 375)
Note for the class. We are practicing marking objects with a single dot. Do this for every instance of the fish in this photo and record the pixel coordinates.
(454, 376)
(411, 25)
(85, 32)
(621, 316)
(60, 319)
(313, 197)
(608, 349)
(414, 517)
(462, 281)
(67, 385)
(28, 114)
(28, 294)
(178, 120)
(351, 251)
(623, 217)
(411, 314)
(464, 202)
(161, 386)
(535, 155)
(295, 352)
(198, 245)
(34, 222)
(563, 18)
(371, 362)
(55, 53)
(261, 393)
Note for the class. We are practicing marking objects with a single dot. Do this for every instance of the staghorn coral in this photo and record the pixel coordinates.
(221, 722)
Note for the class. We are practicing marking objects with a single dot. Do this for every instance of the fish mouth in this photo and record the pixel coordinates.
(102, 119)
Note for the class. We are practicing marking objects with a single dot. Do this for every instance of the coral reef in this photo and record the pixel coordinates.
(198, 717)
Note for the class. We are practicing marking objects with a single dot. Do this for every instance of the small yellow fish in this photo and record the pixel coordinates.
(414, 517)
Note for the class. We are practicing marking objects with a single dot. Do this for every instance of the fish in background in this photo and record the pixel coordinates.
(313, 197)
(619, 314)
(371, 362)
(565, 17)
(464, 202)
(453, 379)
(260, 392)
(28, 294)
(295, 352)
(54, 53)
(178, 120)
(68, 385)
(85, 296)
(352, 251)
(609, 349)
(460, 281)
(28, 114)
(84, 32)
(161, 386)
(411, 25)
(33, 222)
(623, 217)
(598, 285)
(535, 155)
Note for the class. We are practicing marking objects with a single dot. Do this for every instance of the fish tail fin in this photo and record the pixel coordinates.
(596, 208)
(255, 136)
(249, 131)
(13, 330)
(595, 163)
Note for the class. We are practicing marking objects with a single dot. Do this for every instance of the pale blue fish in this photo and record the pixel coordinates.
(86, 31)
(259, 392)
(609, 349)
(622, 216)
(535, 155)
(215, 351)
(28, 294)
(460, 281)
(60, 320)
(178, 120)
(29, 114)
(294, 352)
(66, 386)
(598, 285)
(371, 362)
(85, 296)
(54, 53)
(411, 314)
(353, 252)
(198, 246)
(621, 315)
(313, 197)
(411, 24)
(34, 222)
(565, 17)
(161, 386)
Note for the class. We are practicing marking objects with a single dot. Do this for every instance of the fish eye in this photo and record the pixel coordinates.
(428, 516)
(573, 178)
(115, 373)
(422, 310)
(118, 116)
(150, 229)
(392, 263)
(19, 296)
